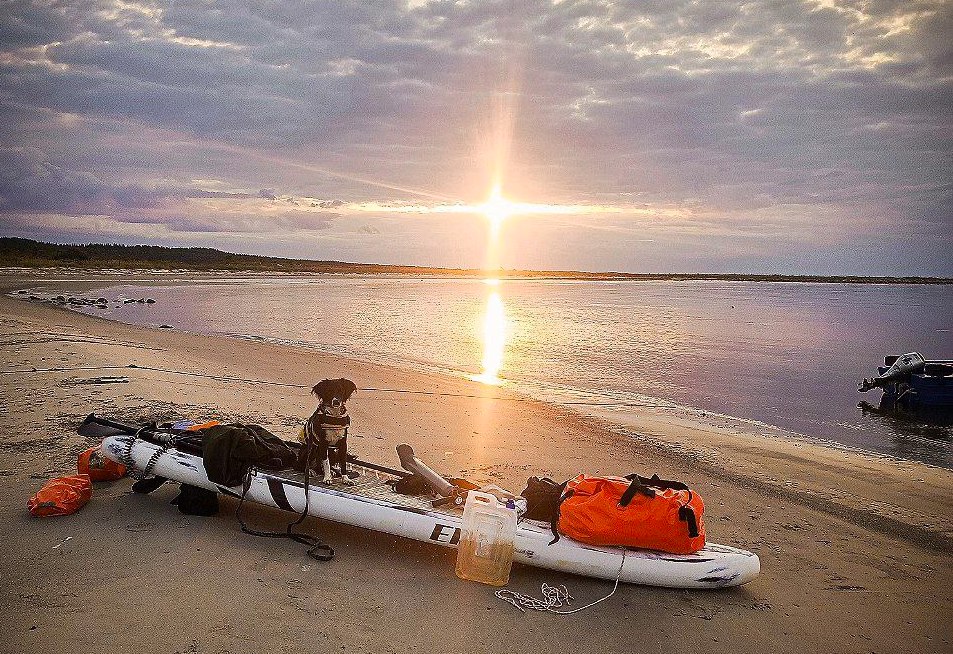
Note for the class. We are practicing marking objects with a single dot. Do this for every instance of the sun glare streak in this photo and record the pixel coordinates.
(500, 206)
(319, 170)
(494, 339)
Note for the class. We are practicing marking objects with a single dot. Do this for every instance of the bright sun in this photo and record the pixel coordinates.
(497, 209)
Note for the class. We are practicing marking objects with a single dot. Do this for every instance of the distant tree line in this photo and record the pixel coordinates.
(26, 253)
(32, 254)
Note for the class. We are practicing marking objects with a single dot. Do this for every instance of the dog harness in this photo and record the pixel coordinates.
(334, 427)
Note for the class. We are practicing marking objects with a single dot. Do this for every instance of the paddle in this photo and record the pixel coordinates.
(379, 468)
(96, 427)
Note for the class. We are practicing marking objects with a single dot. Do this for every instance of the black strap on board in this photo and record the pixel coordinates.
(554, 525)
(318, 549)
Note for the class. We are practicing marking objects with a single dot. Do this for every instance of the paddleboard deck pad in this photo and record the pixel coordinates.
(370, 502)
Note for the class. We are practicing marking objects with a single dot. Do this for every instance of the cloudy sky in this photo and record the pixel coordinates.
(649, 136)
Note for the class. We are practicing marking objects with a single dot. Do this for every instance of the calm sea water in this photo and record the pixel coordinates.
(786, 354)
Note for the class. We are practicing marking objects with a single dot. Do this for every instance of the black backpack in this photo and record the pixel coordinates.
(542, 498)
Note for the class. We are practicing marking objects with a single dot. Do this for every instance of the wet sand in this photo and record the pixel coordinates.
(855, 549)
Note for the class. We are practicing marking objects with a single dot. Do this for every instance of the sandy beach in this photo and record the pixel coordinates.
(855, 549)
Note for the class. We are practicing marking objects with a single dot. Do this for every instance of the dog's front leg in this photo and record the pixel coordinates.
(326, 469)
(342, 462)
(342, 455)
(319, 459)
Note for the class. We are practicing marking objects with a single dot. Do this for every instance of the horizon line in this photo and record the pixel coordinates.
(502, 273)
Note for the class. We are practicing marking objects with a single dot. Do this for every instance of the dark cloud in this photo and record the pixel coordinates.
(24, 25)
(30, 182)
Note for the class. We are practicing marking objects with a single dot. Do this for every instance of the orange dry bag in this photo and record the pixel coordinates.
(99, 468)
(633, 511)
(61, 496)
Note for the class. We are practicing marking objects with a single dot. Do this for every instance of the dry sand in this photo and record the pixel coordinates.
(855, 549)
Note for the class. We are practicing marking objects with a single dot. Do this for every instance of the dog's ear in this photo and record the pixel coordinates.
(321, 388)
(348, 387)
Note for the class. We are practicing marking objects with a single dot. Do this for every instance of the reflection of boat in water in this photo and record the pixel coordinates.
(911, 384)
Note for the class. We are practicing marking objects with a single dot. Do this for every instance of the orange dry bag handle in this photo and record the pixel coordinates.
(647, 486)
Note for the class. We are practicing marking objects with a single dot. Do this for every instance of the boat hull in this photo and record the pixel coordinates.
(919, 391)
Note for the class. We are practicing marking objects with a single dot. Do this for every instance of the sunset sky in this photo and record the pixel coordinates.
(656, 136)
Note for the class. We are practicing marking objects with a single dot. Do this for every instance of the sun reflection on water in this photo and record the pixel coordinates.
(494, 337)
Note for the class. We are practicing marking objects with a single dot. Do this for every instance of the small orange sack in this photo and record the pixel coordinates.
(61, 496)
(99, 468)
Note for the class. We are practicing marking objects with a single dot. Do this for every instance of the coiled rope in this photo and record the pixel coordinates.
(554, 597)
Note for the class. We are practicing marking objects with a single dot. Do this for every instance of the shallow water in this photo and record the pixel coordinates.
(787, 354)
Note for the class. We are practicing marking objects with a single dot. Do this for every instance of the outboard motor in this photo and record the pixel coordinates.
(904, 365)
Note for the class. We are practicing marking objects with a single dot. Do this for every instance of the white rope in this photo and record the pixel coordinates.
(554, 597)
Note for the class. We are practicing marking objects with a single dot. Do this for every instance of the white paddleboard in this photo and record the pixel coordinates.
(372, 504)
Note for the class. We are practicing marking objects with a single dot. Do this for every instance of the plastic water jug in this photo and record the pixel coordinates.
(485, 550)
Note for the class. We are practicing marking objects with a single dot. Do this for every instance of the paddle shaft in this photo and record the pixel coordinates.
(412, 464)
(125, 429)
(93, 419)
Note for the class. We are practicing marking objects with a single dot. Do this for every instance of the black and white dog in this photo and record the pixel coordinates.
(324, 436)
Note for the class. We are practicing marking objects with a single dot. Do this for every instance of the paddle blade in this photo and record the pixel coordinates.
(95, 427)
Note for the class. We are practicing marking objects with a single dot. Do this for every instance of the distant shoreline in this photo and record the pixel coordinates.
(25, 253)
(503, 275)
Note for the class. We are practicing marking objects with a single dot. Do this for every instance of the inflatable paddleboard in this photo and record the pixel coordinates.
(372, 504)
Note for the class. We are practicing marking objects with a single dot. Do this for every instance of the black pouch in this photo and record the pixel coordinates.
(146, 486)
(542, 498)
(410, 485)
(193, 500)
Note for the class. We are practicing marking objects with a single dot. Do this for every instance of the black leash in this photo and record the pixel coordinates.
(317, 549)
